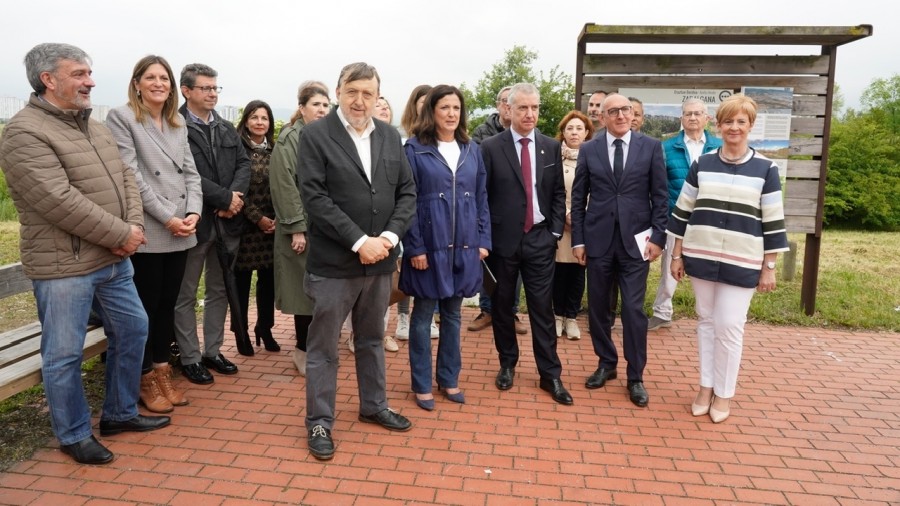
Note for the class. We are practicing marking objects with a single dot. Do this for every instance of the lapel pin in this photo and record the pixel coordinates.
(542, 151)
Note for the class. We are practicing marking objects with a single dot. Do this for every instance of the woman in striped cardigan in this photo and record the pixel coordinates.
(728, 225)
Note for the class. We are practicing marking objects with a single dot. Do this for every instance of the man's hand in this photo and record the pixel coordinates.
(298, 242)
(373, 250)
(134, 241)
(580, 255)
(237, 203)
(652, 251)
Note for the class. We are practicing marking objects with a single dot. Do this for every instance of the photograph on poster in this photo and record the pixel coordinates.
(771, 134)
(662, 108)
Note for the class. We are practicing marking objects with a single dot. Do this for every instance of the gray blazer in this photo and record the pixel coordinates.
(343, 205)
(166, 176)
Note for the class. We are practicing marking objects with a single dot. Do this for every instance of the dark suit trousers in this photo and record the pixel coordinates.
(631, 274)
(535, 260)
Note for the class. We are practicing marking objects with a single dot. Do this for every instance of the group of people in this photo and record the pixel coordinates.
(327, 214)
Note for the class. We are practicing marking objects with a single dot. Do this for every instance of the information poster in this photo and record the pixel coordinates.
(662, 107)
(771, 134)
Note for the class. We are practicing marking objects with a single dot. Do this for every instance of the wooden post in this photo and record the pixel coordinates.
(789, 265)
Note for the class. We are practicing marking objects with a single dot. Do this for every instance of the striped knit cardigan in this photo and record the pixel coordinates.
(729, 216)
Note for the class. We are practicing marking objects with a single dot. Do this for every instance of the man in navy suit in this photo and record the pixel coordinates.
(619, 191)
(527, 199)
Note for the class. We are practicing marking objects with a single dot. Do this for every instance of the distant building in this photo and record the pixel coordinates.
(9, 106)
(99, 112)
(230, 113)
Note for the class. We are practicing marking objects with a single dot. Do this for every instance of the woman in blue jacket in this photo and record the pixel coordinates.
(449, 236)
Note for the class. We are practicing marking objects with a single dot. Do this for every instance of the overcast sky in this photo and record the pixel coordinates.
(264, 49)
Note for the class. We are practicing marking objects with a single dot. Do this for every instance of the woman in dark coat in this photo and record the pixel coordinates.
(449, 236)
(256, 252)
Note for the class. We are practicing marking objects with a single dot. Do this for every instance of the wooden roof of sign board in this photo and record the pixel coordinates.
(774, 35)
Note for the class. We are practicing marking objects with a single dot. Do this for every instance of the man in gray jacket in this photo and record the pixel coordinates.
(360, 195)
(81, 218)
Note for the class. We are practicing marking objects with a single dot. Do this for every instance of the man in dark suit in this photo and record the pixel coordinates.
(619, 191)
(359, 192)
(527, 199)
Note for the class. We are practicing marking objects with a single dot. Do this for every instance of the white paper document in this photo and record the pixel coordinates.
(642, 238)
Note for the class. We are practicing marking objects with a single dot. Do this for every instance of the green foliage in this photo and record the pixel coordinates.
(864, 162)
(7, 208)
(556, 88)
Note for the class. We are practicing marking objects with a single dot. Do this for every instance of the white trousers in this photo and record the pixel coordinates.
(662, 305)
(722, 311)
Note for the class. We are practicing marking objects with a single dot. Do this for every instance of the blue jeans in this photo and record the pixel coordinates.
(63, 308)
(449, 357)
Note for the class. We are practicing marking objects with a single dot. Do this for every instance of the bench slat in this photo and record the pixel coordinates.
(13, 337)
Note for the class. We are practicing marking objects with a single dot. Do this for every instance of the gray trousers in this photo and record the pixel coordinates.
(215, 303)
(333, 299)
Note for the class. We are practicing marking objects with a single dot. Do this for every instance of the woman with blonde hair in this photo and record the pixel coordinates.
(728, 225)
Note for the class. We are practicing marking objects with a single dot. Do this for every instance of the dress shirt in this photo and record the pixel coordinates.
(532, 153)
(611, 148)
(695, 148)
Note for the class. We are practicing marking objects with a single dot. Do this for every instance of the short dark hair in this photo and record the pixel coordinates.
(249, 109)
(426, 128)
(190, 72)
(46, 57)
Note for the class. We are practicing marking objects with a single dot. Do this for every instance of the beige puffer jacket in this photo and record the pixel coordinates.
(76, 199)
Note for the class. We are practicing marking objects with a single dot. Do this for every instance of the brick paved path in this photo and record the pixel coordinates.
(816, 421)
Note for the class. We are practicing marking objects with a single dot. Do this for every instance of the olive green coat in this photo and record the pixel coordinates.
(290, 218)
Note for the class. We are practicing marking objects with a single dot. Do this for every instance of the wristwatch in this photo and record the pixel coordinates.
(770, 266)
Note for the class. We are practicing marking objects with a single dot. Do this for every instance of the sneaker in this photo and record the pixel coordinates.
(435, 331)
(300, 361)
(572, 330)
(559, 326)
(520, 327)
(390, 344)
(481, 322)
(402, 332)
(658, 323)
(350, 343)
(320, 443)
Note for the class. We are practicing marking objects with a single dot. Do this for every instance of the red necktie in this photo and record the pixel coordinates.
(529, 185)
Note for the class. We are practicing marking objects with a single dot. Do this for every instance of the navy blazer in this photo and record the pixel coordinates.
(506, 188)
(638, 202)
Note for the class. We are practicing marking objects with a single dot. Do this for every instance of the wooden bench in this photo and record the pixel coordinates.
(20, 349)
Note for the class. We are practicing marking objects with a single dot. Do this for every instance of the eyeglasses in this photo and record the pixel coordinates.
(208, 89)
(688, 114)
(616, 110)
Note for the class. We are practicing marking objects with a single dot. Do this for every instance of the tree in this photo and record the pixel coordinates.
(557, 89)
(882, 99)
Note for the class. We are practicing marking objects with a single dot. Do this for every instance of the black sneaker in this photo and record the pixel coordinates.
(320, 444)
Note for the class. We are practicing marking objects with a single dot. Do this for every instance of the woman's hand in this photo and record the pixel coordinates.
(483, 253)
(419, 262)
(266, 224)
(677, 269)
(766, 280)
(298, 242)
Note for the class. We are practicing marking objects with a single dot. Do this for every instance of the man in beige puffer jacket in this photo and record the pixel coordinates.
(81, 218)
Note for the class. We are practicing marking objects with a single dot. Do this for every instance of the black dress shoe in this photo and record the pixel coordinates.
(388, 419)
(557, 390)
(637, 393)
(197, 373)
(221, 364)
(505, 378)
(599, 378)
(88, 451)
(320, 444)
(139, 423)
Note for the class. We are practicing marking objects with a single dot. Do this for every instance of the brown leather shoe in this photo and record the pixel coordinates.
(151, 397)
(481, 322)
(521, 328)
(164, 380)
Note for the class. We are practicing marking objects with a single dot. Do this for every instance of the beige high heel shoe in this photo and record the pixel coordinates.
(701, 409)
(719, 416)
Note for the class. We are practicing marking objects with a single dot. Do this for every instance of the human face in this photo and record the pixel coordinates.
(524, 113)
(694, 119)
(503, 109)
(69, 87)
(383, 110)
(638, 120)
(420, 103)
(357, 101)
(258, 124)
(154, 86)
(595, 113)
(734, 130)
(620, 123)
(315, 108)
(199, 101)
(446, 116)
(574, 133)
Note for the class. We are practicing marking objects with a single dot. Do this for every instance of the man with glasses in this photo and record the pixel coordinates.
(225, 173)
(681, 152)
(619, 192)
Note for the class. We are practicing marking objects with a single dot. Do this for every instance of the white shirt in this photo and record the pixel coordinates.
(450, 151)
(363, 142)
(695, 148)
(611, 148)
(532, 154)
